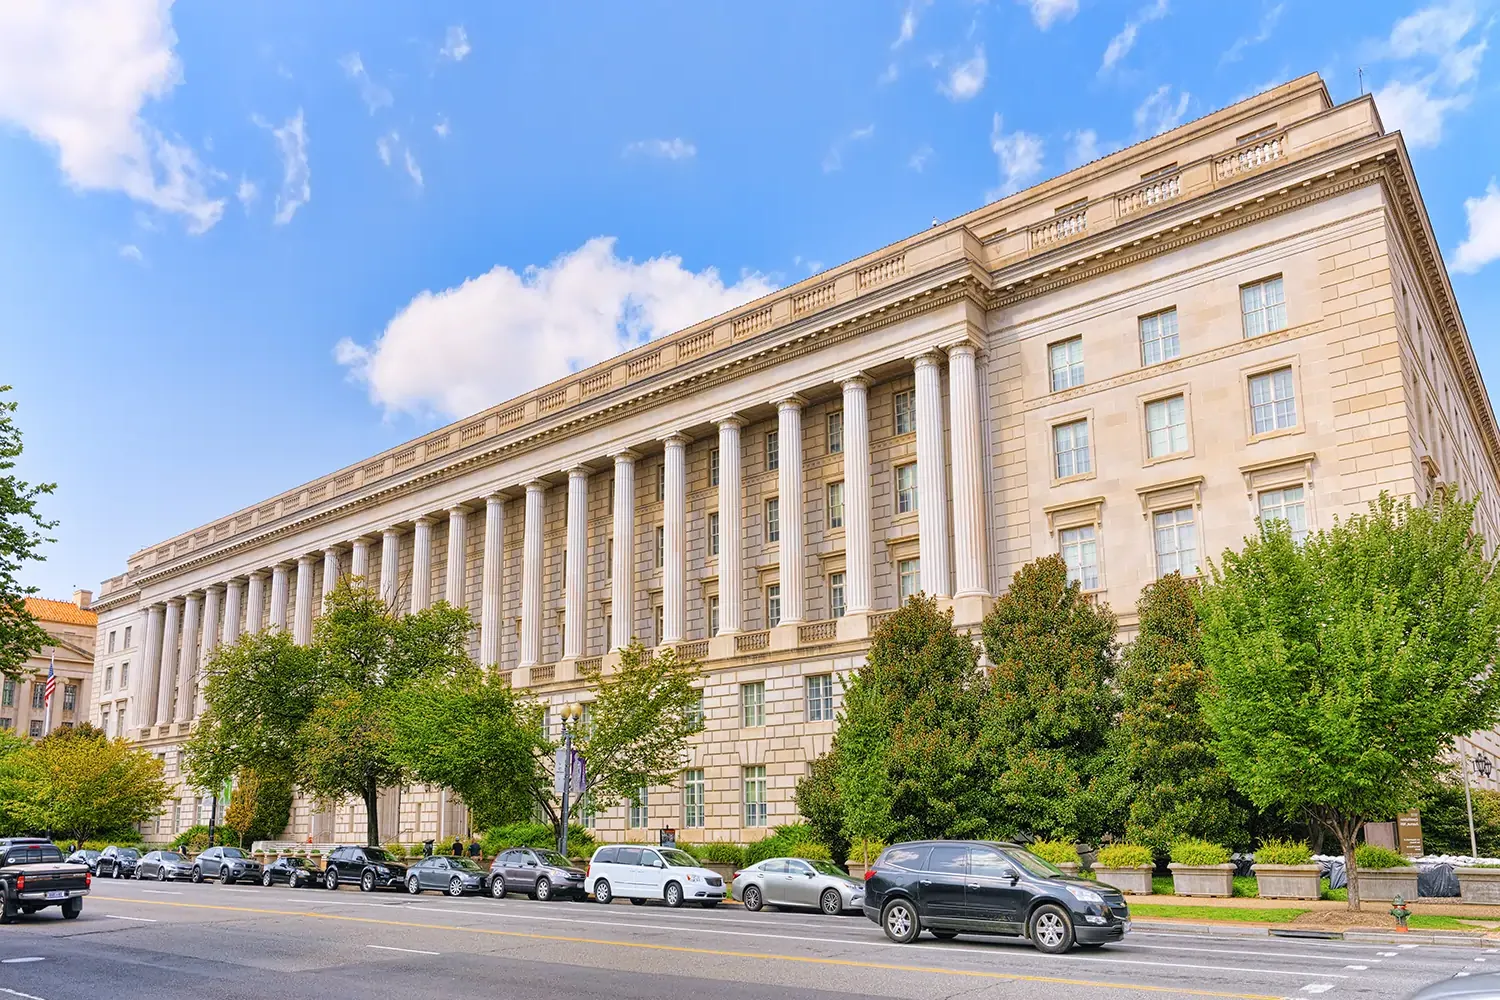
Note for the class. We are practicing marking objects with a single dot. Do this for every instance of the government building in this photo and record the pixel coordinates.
(1246, 317)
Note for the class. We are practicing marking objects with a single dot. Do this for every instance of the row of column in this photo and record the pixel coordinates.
(214, 616)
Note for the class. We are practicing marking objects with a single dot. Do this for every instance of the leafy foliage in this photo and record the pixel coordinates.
(717, 852)
(260, 807)
(779, 844)
(1194, 851)
(535, 835)
(1445, 819)
(819, 802)
(195, 838)
(78, 782)
(1058, 852)
(1371, 856)
(1124, 856)
(1283, 852)
(23, 532)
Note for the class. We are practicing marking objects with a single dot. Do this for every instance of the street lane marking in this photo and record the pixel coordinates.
(18, 993)
(1317, 987)
(1230, 951)
(20, 961)
(157, 892)
(1357, 968)
(848, 963)
(409, 951)
(116, 916)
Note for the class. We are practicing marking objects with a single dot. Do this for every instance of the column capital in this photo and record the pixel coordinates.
(495, 497)
(220, 587)
(927, 357)
(789, 401)
(625, 455)
(858, 378)
(426, 520)
(677, 438)
(331, 550)
(255, 574)
(967, 344)
(392, 532)
(174, 600)
(579, 472)
(537, 486)
(307, 559)
(729, 420)
(458, 510)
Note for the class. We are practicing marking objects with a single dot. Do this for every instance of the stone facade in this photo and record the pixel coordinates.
(1129, 364)
(71, 657)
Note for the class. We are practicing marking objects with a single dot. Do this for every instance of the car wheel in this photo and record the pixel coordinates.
(413, 886)
(456, 887)
(831, 902)
(637, 901)
(752, 899)
(139, 877)
(497, 886)
(7, 908)
(73, 907)
(673, 895)
(197, 874)
(227, 880)
(943, 935)
(1051, 929)
(265, 879)
(900, 922)
(331, 879)
(602, 891)
(367, 882)
(543, 889)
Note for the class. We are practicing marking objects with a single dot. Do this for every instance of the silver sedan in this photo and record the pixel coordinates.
(798, 882)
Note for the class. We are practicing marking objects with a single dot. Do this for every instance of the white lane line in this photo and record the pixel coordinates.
(20, 961)
(1132, 946)
(1357, 968)
(18, 993)
(1317, 988)
(1415, 946)
(154, 892)
(1386, 954)
(116, 916)
(409, 951)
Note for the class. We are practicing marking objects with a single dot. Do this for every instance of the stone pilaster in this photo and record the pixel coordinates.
(489, 598)
(932, 479)
(622, 591)
(575, 577)
(674, 530)
(531, 574)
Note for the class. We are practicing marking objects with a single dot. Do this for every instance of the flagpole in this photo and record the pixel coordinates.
(51, 683)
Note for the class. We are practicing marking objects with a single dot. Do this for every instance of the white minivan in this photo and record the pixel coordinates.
(644, 873)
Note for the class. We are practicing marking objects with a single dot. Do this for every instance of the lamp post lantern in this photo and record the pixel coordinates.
(571, 714)
(1481, 763)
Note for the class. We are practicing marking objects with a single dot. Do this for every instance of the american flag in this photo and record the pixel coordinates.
(51, 683)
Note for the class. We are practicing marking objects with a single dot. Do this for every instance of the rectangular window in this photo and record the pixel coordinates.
(640, 809)
(1080, 551)
(773, 519)
(713, 614)
(835, 505)
(836, 603)
(38, 694)
(109, 678)
(658, 618)
(820, 698)
(755, 796)
(127, 636)
(835, 424)
(124, 675)
(753, 705)
(1166, 427)
(1065, 359)
(1273, 405)
(1263, 307)
(692, 798)
(909, 577)
(906, 488)
(773, 605)
(1176, 542)
(906, 411)
(1289, 505)
(661, 482)
(609, 631)
(713, 467)
(695, 710)
(103, 722)
(35, 728)
(1070, 449)
(773, 450)
(713, 533)
(7, 723)
(609, 558)
(8, 694)
(661, 546)
(70, 697)
(1159, 338)
(111, 648)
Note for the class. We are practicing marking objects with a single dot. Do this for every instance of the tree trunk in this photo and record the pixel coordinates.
(372, 813)
(1347, 843)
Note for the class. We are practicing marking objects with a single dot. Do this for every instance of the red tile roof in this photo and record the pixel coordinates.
(62, 612)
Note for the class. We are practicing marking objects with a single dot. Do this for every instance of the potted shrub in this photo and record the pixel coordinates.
(720, 857)
(1479, 883)
(862, 854)
(1058, 852)
(1200, 868)
(1127, 867)
(1384, 874)
(1284, 870)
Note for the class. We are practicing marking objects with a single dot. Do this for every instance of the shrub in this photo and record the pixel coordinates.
(1124, 856)
(1058, 852)
(1276, 851)
(534, 835)
(195, 839)
(717, 852)
(811, 850)
(1192, 851)
(779, 844)
(865, 851)
(1371, 856)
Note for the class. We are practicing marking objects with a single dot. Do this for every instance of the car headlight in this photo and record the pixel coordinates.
(691, 878)
(382, 870)
(1085, 895)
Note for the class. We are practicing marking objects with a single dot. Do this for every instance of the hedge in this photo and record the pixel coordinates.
(1276, 851)
(1192, 851)
(1124, 856)
(1370, 856)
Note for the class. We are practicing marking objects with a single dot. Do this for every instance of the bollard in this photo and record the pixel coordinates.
(1401, 913)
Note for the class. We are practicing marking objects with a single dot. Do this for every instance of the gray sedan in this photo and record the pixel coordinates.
(1485, 986)
(164, 866)
(798, 882)
(455, 876)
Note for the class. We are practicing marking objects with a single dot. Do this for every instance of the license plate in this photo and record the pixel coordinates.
(57, 894)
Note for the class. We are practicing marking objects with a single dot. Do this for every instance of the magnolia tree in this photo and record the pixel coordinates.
(1345, 666)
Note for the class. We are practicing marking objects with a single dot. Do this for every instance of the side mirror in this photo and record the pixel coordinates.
(809, 874)
(1011, 874)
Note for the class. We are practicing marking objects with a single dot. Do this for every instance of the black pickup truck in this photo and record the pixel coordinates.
(33, 875)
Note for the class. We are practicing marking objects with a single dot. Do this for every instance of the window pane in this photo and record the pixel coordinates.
(906, 489)
(692, 798)
(1066, 362)
(1273, 405)
(836, 594)
(1081, 554)
(909, 572)
(773, 450)
(1263, 306)
(713, 533)
(755, 796)
(820, 698)
(753, 704)
(713, 467)
(773, 519)
(1176, 540)
(835, 505)
(906, 402)
(836, 432)
(1166, 427)
(773, 605)
(1159, 338)
(1070, 447)
(1286, 505)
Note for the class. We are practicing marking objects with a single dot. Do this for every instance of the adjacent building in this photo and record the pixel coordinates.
(1247, 317)
(70, 656)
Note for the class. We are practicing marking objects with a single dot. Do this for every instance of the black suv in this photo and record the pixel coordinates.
(950, 887)
(117, 862)
(370, 867)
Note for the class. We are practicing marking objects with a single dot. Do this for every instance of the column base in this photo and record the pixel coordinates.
(854, 626)
(970, 609)
(721, 646)
(784, 636)
(566, 669)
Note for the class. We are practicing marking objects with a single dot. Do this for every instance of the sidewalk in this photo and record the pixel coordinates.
(1435, 907)
(1472, 925)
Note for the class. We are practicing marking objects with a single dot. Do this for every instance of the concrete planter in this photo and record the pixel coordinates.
(1478, 885)
(1288, 881)
(1068, 867)
(1202, 880)
(1131, 881)
(856, 870)
(724, 871)
(1388, 883)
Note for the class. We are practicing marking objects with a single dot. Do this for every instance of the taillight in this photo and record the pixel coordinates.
(869, 874)
(20, 882)
(588, 869)
(88, 880)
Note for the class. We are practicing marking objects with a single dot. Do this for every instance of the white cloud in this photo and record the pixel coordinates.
(412, 169)
(1440, 73)
(1120, 45)
(834, 159)
(1084, 147)
(296, 176)
(1159, 113)
(77, 76)
(1019, 155)
(1439, 32)
(918, 159)
(495, 336)
(373, 94)
(456, 45)
(1267, 28)
(388, 145)
(1483, 243)
(662, 149)
(246, 192)
(133, 253)
(385, 145)
(909, 18)
(1046, 13)
(967, 78)
(1414, 110)
(441, 127)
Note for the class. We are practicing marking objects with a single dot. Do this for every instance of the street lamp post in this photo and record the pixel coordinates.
(571, 713)
(1479, 762)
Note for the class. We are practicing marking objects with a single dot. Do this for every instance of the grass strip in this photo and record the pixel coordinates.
(1279, 915)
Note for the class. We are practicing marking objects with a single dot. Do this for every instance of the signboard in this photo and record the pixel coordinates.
(560, 767)
(668, 837)
(1409, 833)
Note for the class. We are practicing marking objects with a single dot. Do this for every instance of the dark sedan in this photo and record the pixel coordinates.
(295, 872)
(164, 866)
(455, 876)
(117, 862)
(89, 858)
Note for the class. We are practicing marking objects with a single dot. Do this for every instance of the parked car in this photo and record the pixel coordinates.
(33, 876)
(1485, 986)
(644, 873)
(117, 862)
(84, 857)
(455, 876)
(369, 867)
(540, 874)
(295, 872)
(798, 882)
(948, 887)
(164, 866)
(227, 864)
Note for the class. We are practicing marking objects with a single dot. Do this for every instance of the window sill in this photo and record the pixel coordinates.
(1175, 456)
(1082, 477)
(1272, 435)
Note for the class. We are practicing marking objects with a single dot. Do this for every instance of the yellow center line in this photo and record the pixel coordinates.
(718, 953)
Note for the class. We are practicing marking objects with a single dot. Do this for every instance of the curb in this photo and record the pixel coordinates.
(1461, 939)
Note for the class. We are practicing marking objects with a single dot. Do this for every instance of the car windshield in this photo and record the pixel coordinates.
(376, 854)
(294, 862)
(233, 852)
(554, 859)
(463, 864)
(129, 854)
(1033, 864)
(828, 868)
(678, 859)
(170, 856)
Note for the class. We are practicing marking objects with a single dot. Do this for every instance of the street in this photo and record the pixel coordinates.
(177, 940)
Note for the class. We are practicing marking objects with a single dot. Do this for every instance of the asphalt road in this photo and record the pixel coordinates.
(178, 941)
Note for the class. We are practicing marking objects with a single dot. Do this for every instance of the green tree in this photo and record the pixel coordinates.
(1344, 667)
(1177, 787)
(1049, 705)
(23, 532)
(819, 802)
(1445, 819)
(260, 806)
(77, 782)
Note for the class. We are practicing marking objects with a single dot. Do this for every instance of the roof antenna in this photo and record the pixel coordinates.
(1361, 81)
(934, 221)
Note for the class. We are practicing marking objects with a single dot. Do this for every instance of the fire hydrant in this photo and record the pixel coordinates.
(1401, 913)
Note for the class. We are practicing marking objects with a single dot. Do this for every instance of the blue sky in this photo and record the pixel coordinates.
(243, 245)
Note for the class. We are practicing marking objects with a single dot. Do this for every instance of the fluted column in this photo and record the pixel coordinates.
(731, 533)
(622, 591)
(970, 544)
(458, 543)
(531, 575)
(359, 560)
(494, 574)
(330, 570)
(421, 565)
(857, 548)
(213, 602)
(674, 525)
(575, 575)
(302, 621)
(255, 602)
(932, 479)
(187, 668)
(169, 639)
(234, 601)
(144, 708)
(789, 493)
(281, 586)
(390, 566)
